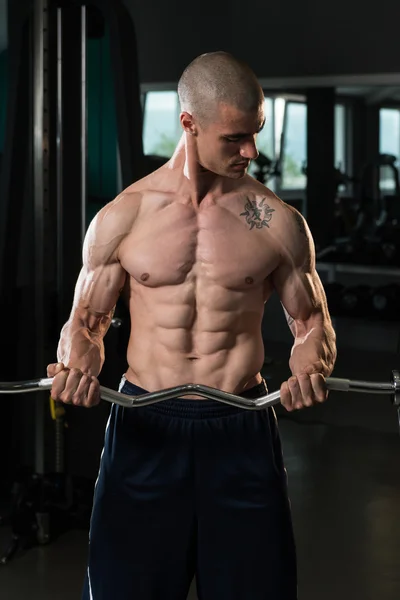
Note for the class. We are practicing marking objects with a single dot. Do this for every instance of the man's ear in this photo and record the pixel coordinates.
(188, 123)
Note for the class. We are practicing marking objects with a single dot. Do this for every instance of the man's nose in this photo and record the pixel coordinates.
(249, 150)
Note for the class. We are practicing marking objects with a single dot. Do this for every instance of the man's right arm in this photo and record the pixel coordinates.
(81, 346)
(81, 341)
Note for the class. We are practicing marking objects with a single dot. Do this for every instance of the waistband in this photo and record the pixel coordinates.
(189, 408)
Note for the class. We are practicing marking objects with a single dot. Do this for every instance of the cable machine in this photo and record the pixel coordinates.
(43, 203)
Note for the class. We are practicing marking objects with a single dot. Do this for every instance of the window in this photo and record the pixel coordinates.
(161, 127)
(340, 137)
(3, 96)
(389, 143)
(294, 150)
(266, 138)
(279, 108)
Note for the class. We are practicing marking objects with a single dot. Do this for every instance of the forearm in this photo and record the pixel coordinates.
(82, 347)
(314, 348)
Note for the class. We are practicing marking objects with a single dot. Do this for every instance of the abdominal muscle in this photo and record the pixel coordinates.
(211, 338)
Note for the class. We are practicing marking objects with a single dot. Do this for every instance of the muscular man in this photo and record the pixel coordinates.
(191, 486)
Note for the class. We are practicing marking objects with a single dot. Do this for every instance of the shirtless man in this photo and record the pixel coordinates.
(191, 486)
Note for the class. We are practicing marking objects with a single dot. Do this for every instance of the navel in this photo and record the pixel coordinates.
(249, 280)
(144, 277)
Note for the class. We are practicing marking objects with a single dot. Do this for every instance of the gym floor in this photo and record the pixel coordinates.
(343, 463)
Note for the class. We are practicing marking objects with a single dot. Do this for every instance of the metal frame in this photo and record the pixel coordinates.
(15, 202)
(83, 125)
(41, 183)
(46, 141)
(59, 162)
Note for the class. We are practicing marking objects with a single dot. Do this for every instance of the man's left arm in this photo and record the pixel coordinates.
(303, 298)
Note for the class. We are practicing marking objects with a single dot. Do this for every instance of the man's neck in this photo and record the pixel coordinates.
(198, 181)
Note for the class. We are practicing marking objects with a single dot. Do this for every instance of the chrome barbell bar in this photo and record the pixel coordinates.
(391, 388)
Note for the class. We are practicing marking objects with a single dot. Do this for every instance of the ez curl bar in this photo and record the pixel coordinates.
(391, 389)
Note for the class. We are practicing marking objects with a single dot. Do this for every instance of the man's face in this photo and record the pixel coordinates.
(228, 144)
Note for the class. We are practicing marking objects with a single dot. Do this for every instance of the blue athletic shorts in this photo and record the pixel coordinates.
(191, 488)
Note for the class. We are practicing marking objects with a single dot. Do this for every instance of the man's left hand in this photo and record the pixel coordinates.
(304, 389)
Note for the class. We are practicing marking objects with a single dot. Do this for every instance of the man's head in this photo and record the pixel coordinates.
(222, 106)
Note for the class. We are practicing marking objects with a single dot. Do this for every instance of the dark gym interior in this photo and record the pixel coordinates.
(88, 105)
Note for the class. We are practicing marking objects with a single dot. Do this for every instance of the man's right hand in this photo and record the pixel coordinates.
(72, 386)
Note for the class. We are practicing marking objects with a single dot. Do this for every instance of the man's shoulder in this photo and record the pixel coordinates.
(155, 188)
(258, 194)
(114, 220)
(123, 207)
(280, 215)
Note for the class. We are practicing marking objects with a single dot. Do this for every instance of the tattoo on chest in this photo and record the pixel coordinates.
(258, 214)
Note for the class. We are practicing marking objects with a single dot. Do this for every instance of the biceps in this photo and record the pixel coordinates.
(301, 293)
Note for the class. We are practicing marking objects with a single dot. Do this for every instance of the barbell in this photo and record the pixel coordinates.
(391, 389)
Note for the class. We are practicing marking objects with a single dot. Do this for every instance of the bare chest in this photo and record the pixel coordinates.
(215, 244)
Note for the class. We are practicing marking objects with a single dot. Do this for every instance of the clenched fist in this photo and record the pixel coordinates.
(303, 390)
(72, 386)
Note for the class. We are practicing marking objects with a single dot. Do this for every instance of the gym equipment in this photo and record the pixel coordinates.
(333, 383)
(370, 224)
(344, 215)
(43, 197)
(42, 507)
